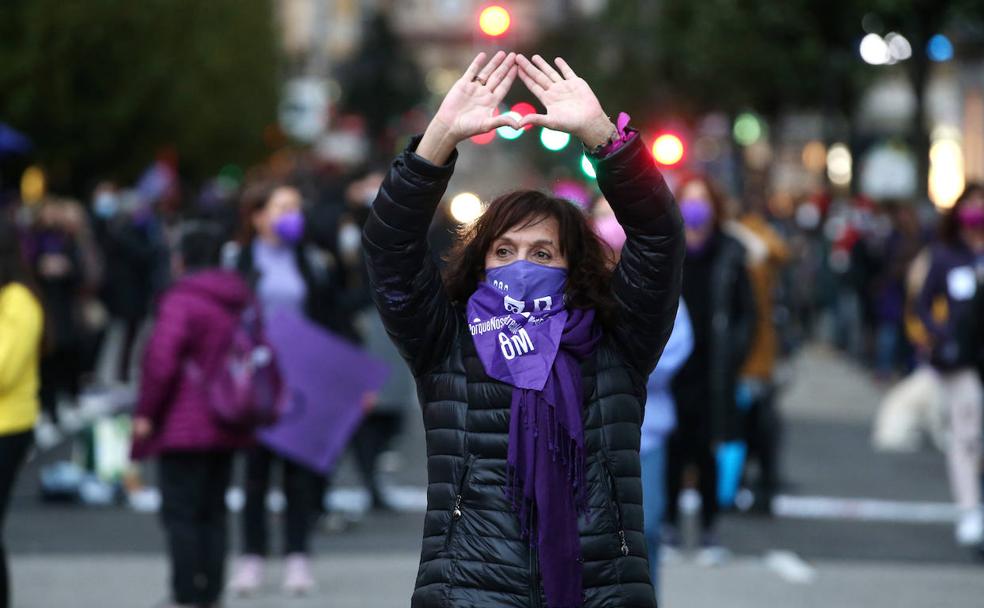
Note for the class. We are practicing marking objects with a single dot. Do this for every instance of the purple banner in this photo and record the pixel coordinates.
(326, 377)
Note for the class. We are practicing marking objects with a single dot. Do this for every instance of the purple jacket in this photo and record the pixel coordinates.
(195, 320)
(952, 275)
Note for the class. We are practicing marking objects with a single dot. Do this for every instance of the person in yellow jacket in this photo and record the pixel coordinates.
(21, 328)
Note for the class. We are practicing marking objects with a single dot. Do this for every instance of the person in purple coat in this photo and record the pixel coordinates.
(173, 421)
(956, 274)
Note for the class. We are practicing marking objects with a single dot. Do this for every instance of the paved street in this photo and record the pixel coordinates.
(846, 535)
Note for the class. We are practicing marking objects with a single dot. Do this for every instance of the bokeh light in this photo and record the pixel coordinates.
(494, 21)
(466, 207)
(747, 129)
(32, 185)
(440, 80)
(946, 172)
(899, 48)
(554, 141)
(874, 50)
(814, 156)
(668, 149)
(939, 48)
(483, 138)
(587, 168)
(839, 165)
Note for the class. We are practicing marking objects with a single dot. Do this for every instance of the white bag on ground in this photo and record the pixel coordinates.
(913, 406)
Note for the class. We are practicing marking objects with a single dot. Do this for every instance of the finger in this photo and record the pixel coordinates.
(502, 120)
(537, 120)
(534, 88)
(565, 69)
(476, 64)
(547, 69)
(534, 73)
(486, 72)
(500, 72)
(503, 87)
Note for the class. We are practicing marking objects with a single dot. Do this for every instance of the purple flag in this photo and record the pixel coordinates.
(326, 378)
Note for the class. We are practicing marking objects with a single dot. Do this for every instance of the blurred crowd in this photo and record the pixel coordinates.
(893, 284)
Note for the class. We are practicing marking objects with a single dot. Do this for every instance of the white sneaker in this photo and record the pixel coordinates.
(248, 576)
(298, 578)
(970, 528)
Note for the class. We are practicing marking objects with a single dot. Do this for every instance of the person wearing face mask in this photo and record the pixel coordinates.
(134, 254)
(384, 409)
(286, 274)
(56, 257)
(722, 312)
(956, 274)
(660, 418)
(530, 354)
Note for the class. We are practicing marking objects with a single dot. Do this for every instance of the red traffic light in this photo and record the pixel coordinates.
(668, 149)
(494, 21)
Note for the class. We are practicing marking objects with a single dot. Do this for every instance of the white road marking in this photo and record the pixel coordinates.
(864, 509)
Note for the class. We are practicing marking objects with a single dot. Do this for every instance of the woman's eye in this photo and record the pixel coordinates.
(542, 255)
(502, 252)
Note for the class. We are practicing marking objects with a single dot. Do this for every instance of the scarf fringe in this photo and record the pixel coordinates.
(565, 450)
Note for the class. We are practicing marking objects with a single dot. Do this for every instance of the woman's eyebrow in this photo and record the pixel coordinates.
(542, 242)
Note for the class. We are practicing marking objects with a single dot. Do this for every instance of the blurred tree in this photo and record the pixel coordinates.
(381, 82)
(102, 85)
(689, 57)
(683, 58)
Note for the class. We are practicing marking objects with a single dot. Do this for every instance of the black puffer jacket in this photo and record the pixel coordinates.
(722, 309)
(473, 554)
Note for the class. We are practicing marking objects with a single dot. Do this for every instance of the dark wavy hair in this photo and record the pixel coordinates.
(588, 265)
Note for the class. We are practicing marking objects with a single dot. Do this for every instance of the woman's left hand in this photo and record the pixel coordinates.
(571, 104)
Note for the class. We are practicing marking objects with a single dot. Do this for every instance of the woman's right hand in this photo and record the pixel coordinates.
(469, 107)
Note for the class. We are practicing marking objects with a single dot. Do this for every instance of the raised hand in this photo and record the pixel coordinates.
(571, 104)
(469, 107)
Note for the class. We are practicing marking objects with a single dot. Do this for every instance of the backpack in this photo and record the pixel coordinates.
(244, 388)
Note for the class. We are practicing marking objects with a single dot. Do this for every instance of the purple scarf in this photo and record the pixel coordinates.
(525, 336)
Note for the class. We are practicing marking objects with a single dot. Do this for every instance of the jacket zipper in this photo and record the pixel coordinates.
(456, 512)
(617, 503)
(534, 568)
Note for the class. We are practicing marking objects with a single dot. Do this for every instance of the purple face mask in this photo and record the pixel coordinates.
(290, 227)
(697, 212)
(516, 317)
(971, 217)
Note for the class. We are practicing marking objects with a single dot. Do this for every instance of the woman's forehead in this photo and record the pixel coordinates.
(536, 229)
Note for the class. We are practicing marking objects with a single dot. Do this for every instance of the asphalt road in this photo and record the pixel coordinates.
(863, 548)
